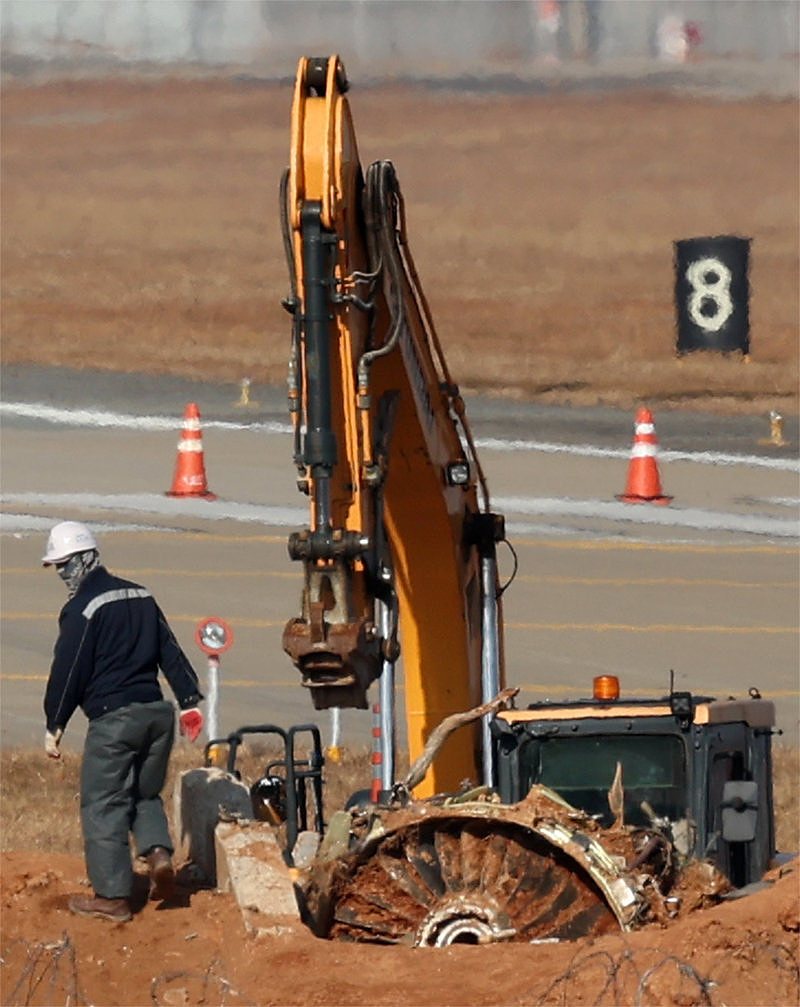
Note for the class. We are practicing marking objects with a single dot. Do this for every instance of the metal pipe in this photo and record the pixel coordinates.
(386, 692)
(212, 699)
(490, 655)
(320, 441)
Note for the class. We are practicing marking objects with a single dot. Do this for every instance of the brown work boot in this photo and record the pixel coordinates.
(116, 910)
(162, 873)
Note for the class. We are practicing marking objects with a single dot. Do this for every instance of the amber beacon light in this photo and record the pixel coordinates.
(605, 687)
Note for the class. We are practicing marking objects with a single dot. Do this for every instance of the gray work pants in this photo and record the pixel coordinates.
(125, 762)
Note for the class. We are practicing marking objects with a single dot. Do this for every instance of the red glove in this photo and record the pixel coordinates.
(191, 723)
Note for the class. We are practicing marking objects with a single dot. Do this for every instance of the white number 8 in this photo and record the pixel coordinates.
(710, 303)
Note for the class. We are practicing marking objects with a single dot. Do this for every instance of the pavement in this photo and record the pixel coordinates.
(705, 589)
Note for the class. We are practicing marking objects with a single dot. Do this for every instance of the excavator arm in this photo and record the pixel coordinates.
(401, 541)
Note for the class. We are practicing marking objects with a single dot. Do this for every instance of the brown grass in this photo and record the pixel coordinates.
(542, 227)
(40, 810)
(786, 783)
(49, 821)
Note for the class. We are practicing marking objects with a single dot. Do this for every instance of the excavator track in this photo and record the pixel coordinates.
(473, 874)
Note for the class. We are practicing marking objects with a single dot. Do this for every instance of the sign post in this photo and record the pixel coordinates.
(213, 636)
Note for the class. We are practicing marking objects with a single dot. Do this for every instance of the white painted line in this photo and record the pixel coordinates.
(20, 524)
(103, 418)
(590, 451)
(221, 510)
(153, 503)
(670, 517)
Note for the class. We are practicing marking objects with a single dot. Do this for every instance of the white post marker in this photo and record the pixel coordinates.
(334, 750)
(213, 636)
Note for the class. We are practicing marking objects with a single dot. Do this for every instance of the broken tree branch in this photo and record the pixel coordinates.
(442, 732)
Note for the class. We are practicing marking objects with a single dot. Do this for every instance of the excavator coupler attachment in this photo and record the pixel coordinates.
(337, 661)
(337, 651)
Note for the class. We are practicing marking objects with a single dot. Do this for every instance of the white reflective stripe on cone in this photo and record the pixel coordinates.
(645, 428)
(190, 445)
(643, 451)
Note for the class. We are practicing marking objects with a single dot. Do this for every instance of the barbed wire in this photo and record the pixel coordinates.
(49, 976)
(627, 976)
(54, 964)
(704, 986)
(214, 987)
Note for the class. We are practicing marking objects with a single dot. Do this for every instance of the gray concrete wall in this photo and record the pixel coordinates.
(391, 37)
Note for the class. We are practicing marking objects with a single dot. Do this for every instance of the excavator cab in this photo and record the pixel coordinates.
(697, 766)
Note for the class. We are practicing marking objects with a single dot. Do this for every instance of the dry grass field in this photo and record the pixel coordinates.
(55, 825)
(141, 232)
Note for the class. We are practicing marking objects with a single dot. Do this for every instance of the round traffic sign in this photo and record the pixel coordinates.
(213, 636)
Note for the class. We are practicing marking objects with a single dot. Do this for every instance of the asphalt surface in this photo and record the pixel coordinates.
(706, 587)
(144, 395)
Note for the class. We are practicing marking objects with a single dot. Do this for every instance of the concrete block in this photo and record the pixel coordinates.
(337, 836)
(201, 798)
(250, 864)
(305, 849)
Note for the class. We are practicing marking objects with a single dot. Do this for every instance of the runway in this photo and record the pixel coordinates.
(706, 587)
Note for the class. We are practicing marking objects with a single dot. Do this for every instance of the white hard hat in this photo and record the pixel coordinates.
(65, 540)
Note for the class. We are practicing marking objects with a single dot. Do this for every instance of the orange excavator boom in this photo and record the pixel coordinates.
(401, 539)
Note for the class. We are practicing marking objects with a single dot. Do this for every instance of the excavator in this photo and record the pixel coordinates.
(400, 520)
(548, 823)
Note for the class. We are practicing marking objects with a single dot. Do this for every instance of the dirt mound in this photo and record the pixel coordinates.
(196, 950)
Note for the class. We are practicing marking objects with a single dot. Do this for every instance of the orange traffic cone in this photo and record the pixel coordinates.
(644, 484)
(190, 473)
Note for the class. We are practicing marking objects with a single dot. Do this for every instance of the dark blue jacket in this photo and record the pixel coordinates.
(112, 640)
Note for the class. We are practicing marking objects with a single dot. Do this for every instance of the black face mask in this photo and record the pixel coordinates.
(74, 570)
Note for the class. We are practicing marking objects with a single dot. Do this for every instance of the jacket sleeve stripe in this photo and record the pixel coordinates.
(120, 594)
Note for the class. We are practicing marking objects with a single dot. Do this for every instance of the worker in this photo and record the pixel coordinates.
(112, 640)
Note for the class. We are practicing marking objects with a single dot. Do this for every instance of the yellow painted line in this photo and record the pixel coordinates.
(572, 544)
(532, 578)
(236, 683)
(602, 546)
(295, 573)
(198, 536)
(21, 616)
(178, 537)
(194, 619)
(296, 577)
(244, 683)
(618, 627)
(591, 627)
(236, 622)
(539, 688)
(292, 574)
